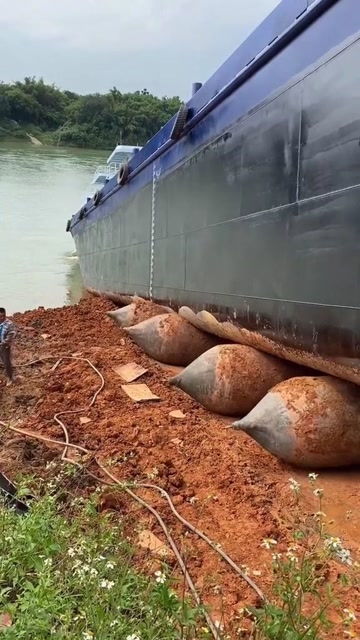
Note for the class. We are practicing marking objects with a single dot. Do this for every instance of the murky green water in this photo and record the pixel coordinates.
(40, 187)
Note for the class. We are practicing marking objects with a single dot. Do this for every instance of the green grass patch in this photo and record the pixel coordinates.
(303, 598)
(66, 571)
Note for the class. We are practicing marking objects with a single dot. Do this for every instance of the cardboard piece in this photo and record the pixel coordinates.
(147, 540)
(130, 371)
(177, 414)
(139, 392)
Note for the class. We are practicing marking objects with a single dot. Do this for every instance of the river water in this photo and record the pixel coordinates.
(40, 188)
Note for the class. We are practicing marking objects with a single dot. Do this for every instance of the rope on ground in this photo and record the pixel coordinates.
(133, 495)
(66, 444)
(164, 493)
(59, 359)
(204, 537)
(170, 540)
(60, 443)
(75, 411)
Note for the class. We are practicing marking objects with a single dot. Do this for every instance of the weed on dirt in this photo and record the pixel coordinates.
(66, 572)
(304, 603)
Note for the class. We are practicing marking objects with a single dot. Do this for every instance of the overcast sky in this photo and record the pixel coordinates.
(93, 45)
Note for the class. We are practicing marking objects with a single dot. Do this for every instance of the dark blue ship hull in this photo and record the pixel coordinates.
(254, 213)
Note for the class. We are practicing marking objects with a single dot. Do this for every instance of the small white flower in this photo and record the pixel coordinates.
(335, 546)
(133, 636)
(93, 572)
(313, 476)
(319, 514)
(292, 557)
(268, 543)
(48, 562)
(87, 635)
(160, 577)
(107, 584)
(349, 616)
(318, 493)
(82, 615)
(294, 485)
(344, 556)
(114, 623)
(71, 552)
(110, 565)
(276, 557)
(333, 543)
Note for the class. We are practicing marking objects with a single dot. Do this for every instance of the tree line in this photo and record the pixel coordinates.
(93, 120)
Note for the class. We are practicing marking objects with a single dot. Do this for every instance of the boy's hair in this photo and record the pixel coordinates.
(2, 310)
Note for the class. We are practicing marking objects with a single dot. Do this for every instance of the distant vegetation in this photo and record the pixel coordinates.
(94, 120)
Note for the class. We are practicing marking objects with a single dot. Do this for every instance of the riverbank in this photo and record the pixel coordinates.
(12, 134)
(220, 481)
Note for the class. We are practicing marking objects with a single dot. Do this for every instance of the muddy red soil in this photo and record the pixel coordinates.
(220, 480)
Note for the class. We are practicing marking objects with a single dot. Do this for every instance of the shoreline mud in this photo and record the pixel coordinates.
(220, 480)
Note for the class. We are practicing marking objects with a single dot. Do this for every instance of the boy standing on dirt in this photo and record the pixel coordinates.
(7, 335)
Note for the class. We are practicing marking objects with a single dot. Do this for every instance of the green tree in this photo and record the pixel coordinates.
(94, 120)
(23, 107)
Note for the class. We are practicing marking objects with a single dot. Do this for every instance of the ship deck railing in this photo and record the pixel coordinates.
(106, 171)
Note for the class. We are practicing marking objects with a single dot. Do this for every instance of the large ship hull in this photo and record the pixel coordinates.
(253, 213)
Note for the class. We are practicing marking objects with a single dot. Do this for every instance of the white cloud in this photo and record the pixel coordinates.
(91, 45)
(121, 25)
